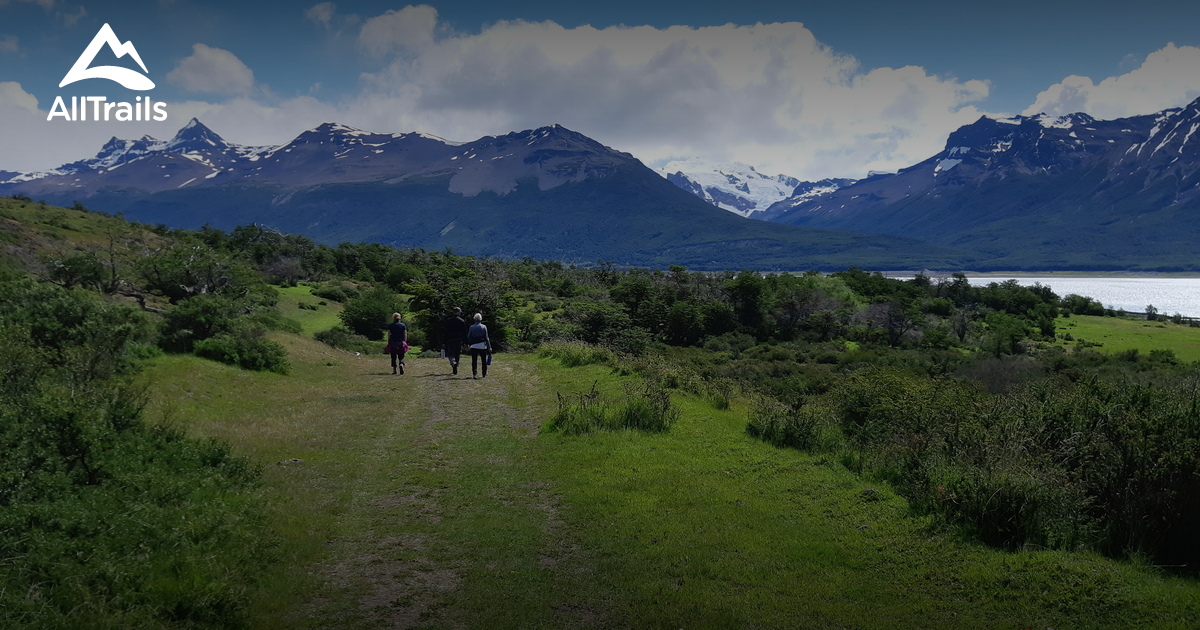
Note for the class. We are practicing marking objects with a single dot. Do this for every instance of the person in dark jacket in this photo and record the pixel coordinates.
(397, 342)
(479, 345)
(453, 334)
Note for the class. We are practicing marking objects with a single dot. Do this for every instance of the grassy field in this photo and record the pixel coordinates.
(1119, 335)
(311, 321)
(431, 501)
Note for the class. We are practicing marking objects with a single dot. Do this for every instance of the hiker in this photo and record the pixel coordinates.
(397, 342)
(479, 345)
(453, 334)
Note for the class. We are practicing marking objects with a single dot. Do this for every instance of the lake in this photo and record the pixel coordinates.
(1169, 295)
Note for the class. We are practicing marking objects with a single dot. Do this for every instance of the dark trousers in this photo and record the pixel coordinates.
(478, 357)
(397, 359)
(453, 350)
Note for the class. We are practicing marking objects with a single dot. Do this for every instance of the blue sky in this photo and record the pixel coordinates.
(810, 89)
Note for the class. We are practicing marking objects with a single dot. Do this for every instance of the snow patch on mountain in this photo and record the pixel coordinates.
(736, 187)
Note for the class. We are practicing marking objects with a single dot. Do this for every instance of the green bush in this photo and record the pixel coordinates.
(335, 292)
(341, 338)
(577, 353)
(646, 406)
(246, 348)
(1109, 465)
(784, 425)
(370, 313)
(105, 520)
(198, 318)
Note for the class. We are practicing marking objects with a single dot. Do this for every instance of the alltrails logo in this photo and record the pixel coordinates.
(101, 108)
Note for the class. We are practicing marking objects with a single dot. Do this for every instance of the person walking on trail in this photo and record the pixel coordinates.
(397, 342)
(453, 334)
(479, 345)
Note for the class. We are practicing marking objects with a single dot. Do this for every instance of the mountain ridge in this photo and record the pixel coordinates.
(548, 192)
(1039, 192)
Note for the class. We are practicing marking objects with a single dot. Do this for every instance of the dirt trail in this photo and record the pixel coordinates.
(449, 466)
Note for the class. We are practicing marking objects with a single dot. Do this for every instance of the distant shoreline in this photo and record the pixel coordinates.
(1046, 274)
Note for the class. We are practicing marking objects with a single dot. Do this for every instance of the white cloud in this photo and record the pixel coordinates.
(213, 71)
(10, 44)
(410, 29)
(1167, 78)
(13, 96)
(769, 95)
(32, 143)
(321, 14)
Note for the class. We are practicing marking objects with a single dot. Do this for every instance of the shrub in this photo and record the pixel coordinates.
(246, 348)
(341, 338)
(577, 353)
(335, 292)
(369, 313)
(107, 521)
(198, 318)
(646, 406)
(795, 426)
(584, 414)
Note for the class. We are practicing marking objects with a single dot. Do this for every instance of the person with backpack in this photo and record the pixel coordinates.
(453, 333)
(479, 345)
(397, 342)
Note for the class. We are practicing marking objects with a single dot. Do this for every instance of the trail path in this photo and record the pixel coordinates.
(448, 520)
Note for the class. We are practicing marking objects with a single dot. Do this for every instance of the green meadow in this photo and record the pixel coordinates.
(314, 313)
(433, 501)
(1116, 335)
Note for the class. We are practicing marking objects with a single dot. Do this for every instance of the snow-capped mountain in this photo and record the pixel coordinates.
(740, 188)
(330, 153)
(548, 193)
(1052, 188)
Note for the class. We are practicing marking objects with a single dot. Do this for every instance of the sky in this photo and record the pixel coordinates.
(806, 89)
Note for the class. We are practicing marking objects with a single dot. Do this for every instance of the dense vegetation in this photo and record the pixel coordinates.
(104, 515)
(963, 397)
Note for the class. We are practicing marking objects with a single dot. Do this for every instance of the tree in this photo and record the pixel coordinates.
(371, 311)
(746, 292)
(685, 323)
(1005, 333)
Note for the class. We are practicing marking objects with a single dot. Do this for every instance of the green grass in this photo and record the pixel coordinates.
(324, 318)
(1119, 335)
(431, 501)
(719, 530)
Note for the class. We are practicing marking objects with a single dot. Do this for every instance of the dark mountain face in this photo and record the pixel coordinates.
(1039, 192)
(548, 193)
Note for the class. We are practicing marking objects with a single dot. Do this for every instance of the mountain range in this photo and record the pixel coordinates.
(1034, 192)
(1020, 193)
(548, 193)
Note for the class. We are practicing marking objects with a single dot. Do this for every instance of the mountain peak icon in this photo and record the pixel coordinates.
(126, 77)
